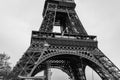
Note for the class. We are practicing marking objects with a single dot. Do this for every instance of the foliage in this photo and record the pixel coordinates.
(4, 65)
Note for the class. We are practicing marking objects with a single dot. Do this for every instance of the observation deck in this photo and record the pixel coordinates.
(65, 40)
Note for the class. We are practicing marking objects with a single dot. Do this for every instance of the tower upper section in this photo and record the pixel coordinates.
(66, 3)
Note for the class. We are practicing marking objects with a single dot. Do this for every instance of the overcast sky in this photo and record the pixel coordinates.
(19, 17)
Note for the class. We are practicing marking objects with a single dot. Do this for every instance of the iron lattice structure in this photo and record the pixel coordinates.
(71, 50)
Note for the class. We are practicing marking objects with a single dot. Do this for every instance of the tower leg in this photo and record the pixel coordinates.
(47, 73)
(78, 73)
(82, 74)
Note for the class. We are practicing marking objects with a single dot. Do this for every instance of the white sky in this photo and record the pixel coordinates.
(19, 17)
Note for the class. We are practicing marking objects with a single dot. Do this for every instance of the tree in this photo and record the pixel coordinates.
(4, 65)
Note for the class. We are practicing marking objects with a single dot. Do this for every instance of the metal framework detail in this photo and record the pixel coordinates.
(71, 50)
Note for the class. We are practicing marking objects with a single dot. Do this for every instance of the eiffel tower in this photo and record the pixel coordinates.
(70, 50)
